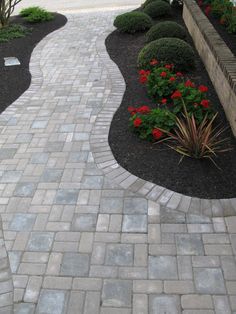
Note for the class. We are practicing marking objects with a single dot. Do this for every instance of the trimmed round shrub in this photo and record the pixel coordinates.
(166, 29)
(171, 50)
(132, 22)
(157, 8)
(150, 1)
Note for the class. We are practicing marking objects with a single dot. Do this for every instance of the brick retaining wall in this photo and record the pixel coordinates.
(217, 57)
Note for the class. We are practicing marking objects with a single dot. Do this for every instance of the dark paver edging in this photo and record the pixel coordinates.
(106, 161)
(218, 59)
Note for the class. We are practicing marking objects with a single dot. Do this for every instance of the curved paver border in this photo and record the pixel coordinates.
(106, 161)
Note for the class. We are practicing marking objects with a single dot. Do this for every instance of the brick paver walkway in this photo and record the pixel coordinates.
(79, 242)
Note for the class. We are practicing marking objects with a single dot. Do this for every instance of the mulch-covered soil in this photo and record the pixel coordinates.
(155, 162)
(16, 79)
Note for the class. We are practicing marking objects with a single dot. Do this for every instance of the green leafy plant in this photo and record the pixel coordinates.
(170, 50)
(157, 8)
(197, 140)
(166, 29)
(12, 31)
(147, 2)
(132, 22)
(6, 9)
(146, 122)
(36, 15)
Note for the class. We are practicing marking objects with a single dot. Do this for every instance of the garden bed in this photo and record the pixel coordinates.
(155, 162)
(16, 79)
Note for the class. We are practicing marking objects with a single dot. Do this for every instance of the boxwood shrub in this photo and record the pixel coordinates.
(132, 22)
(157, 8)
(166, 29)
(150, 1)
(171, 50)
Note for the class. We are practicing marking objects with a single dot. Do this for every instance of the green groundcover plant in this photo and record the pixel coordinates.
(36, 15)
(12, 31)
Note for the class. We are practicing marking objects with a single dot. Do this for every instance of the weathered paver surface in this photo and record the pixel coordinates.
(79, 242)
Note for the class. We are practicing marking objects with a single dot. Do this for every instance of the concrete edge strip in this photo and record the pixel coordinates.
(112, 169)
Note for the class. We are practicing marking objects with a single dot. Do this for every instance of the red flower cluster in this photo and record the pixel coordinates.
(172, 79)
(203, 88)
(143, 76)
(154, 62)
(188, 83)
(157, 134)
(164, 101)
(179, 74)
(137, 122)
(163, 74)
(176, 94)
(142, 109)
(205, 103)
(208, 10)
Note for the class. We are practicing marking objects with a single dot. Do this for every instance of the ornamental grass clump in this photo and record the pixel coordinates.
(201, 141)
(13, 31)
(157, 8)
(166, 29)
(132, 22)
(170, 50)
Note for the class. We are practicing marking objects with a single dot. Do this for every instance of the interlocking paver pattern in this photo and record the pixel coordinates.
(83, 235)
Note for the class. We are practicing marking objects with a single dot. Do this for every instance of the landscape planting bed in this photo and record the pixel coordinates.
(16, 79)
(155, 162)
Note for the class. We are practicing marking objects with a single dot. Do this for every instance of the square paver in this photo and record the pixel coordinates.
(40, 241)
(51, 302)
(164, 304)
(54, 147)
(41, 124)
(22, 222)
(78, 157)
(51, 175)
(119, 254)
(39, 158)
(25, 189)
(209, 281)
(24, 308)
(67, 128)
(117, 293)
(162, 267)
(75, 264)
(11, 176)
(65, 197)
(135, 223)
(7, 153)
(135, 206)
(111, 205)
(84, 222)
(92, 182)
(23, 138)
(189, 244)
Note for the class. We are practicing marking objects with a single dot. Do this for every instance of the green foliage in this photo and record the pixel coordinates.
(157, 8)
(12, 31)
(166, 29)
(171, 50)
(147, 2)
(36, 15)
(132, 22)
(155, 119)
(161, 83)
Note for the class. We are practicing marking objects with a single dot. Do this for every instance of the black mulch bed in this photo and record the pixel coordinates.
(229, 39)
(155, 162)
(16, 79)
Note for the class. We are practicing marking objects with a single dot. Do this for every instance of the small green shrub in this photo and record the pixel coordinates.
(132, 22)
(171, 50)
(12, 31)
(147, 2)
(36, 15)
(157, 8)
(166, 29)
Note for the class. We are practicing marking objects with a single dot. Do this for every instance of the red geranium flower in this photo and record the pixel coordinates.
(176, 94)
(137, 122)
(200, 3)
(144, 109)
(203, 88)
(188, 83)
(131, 109)
(154, 62)
(157, 134)
(163, 74)
(208, 10)
(142, 72)
(205, 103)
(164, 101)
(143, 79)
(172, 79)
(168, 66)
(179, 74)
